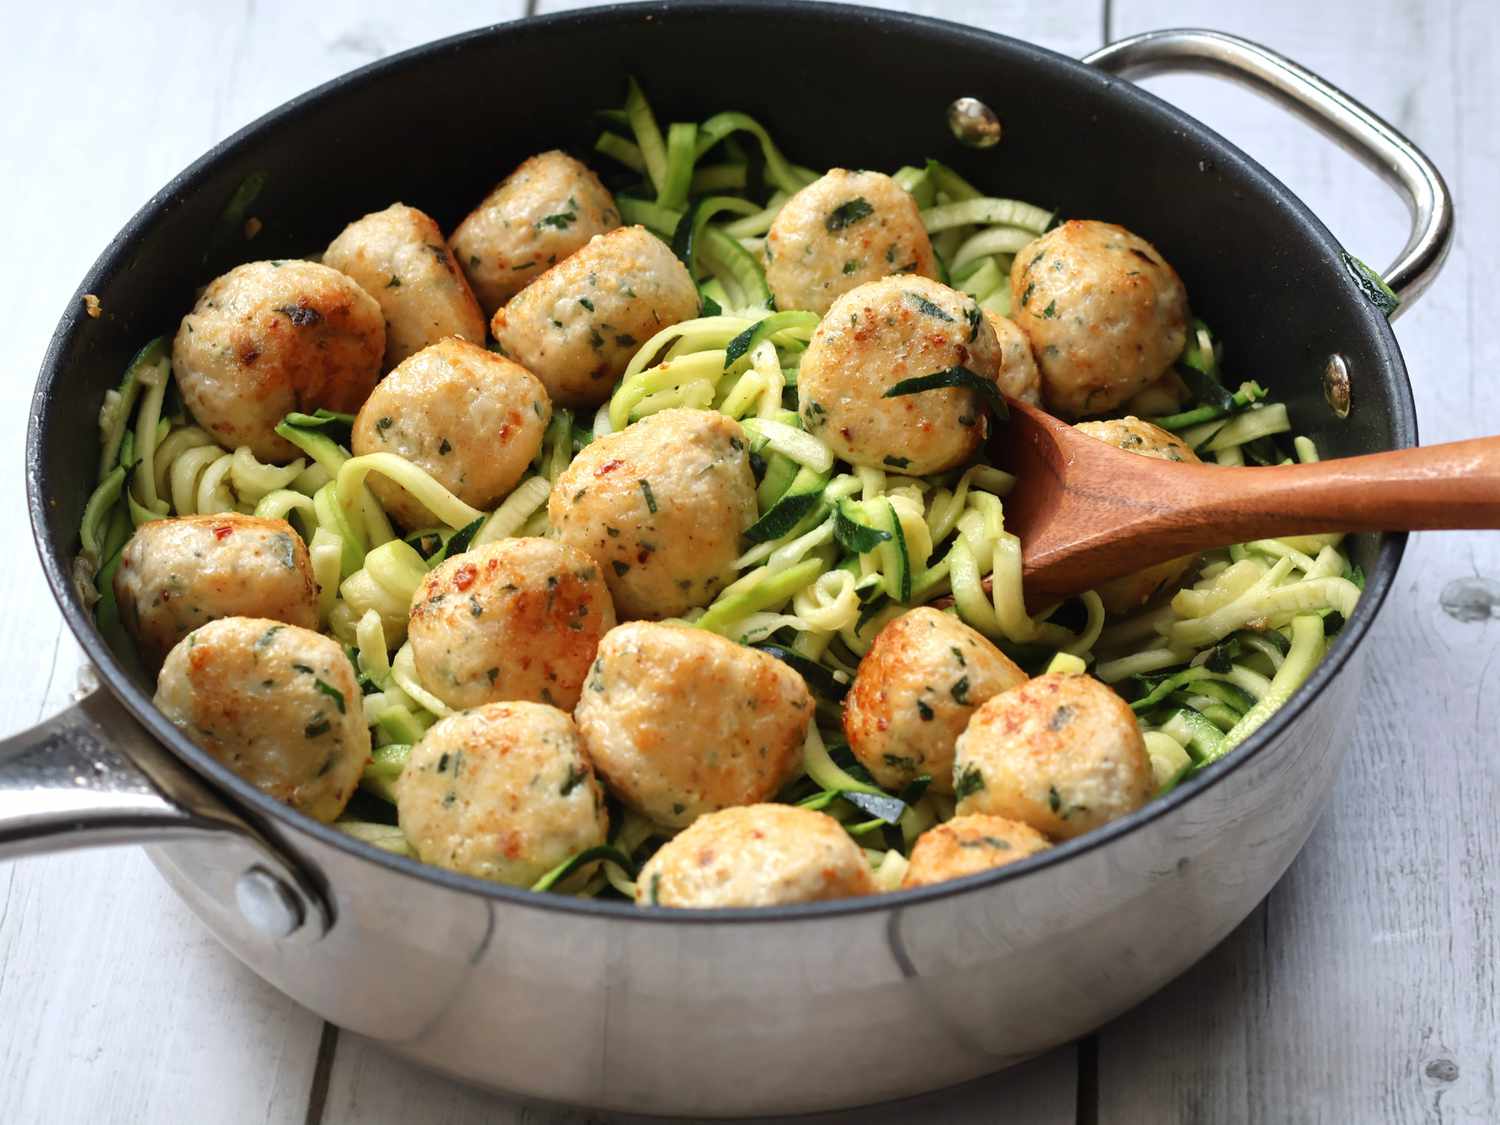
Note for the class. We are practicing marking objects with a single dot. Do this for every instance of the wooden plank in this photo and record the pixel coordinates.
(368, 1085)
(1364, 989)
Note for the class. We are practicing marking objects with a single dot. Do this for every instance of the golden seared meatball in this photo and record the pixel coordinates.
(399, 257)
(269, 338)
(474, 420)
(276, 703)
(661, 505)
(1061, 753)
(873, 338)
(759, 855)
(914, 692)
(178, 574)
(502, 792)
(577, 325)
(840, 232)
(967, 845)
(538, 215)
(1131, 591)
(1105, 313)
(1018, 376)
(516, 619)
(680, 722)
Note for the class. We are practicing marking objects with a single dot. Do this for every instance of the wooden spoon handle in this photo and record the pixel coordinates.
(1456, 485)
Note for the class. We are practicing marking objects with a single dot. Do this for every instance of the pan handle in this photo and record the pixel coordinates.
(1357, 129)
(91, 776)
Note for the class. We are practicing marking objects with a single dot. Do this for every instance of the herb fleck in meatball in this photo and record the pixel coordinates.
(516, 619)
(759, 855)
(1105, 313)
(1130, 592)
(841, 231)
(474, 420)
(399, 257)
(504, 792)
(577, 325)
(276, 703)
(913, 695)
(538, 215)
(269, 338)
(680, 721)
(967, 845)
(661, 505)
(882, 334)
(1061, 753)
(177, 574)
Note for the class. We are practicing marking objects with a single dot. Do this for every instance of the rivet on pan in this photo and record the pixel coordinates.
(1336, 384)
(974, 123)
(267, 903)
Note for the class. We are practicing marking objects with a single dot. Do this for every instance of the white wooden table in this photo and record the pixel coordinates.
(1365, 989)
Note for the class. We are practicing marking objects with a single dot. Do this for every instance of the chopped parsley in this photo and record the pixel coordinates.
(968, 782)
(445, 447)
(318, 726)
(851, 265)
(577, 775)
(923, 305)
(1054, 800)
(1050, 312)
(383, 424)
(960, 690)
(847, 214)
(332, 693)
(560, 221)
(924, 710)
(898, 462)
(621, 568)
(393, 283)
(650, 496)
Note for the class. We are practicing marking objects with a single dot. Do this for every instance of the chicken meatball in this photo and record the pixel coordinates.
(967, 845)
(276, 703)
(661, 505)
(503, 792)
(873, 338)
(1018, 376)
(577, 325)
(1131, 591)
(1105, 313)
(913, 695)
(398, 256)
(760, 855)
(269, 338)
(680, 722)
(177, 574)
(516, 619)
(1061, 753)
(538, 215)
(474, 420)
(842, 231)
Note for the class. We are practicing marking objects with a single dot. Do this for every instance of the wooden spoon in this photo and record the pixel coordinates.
(1086, 511)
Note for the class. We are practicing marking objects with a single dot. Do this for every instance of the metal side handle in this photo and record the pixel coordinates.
(91, 776)
(1370, 138)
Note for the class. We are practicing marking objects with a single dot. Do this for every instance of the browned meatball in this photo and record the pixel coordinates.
(399, 257)
(472, 419)
(178, 574)
(1105, 313)
(538, 215)
(269, 338)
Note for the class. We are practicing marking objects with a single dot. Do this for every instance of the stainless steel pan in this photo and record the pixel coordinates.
(733, 1012)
